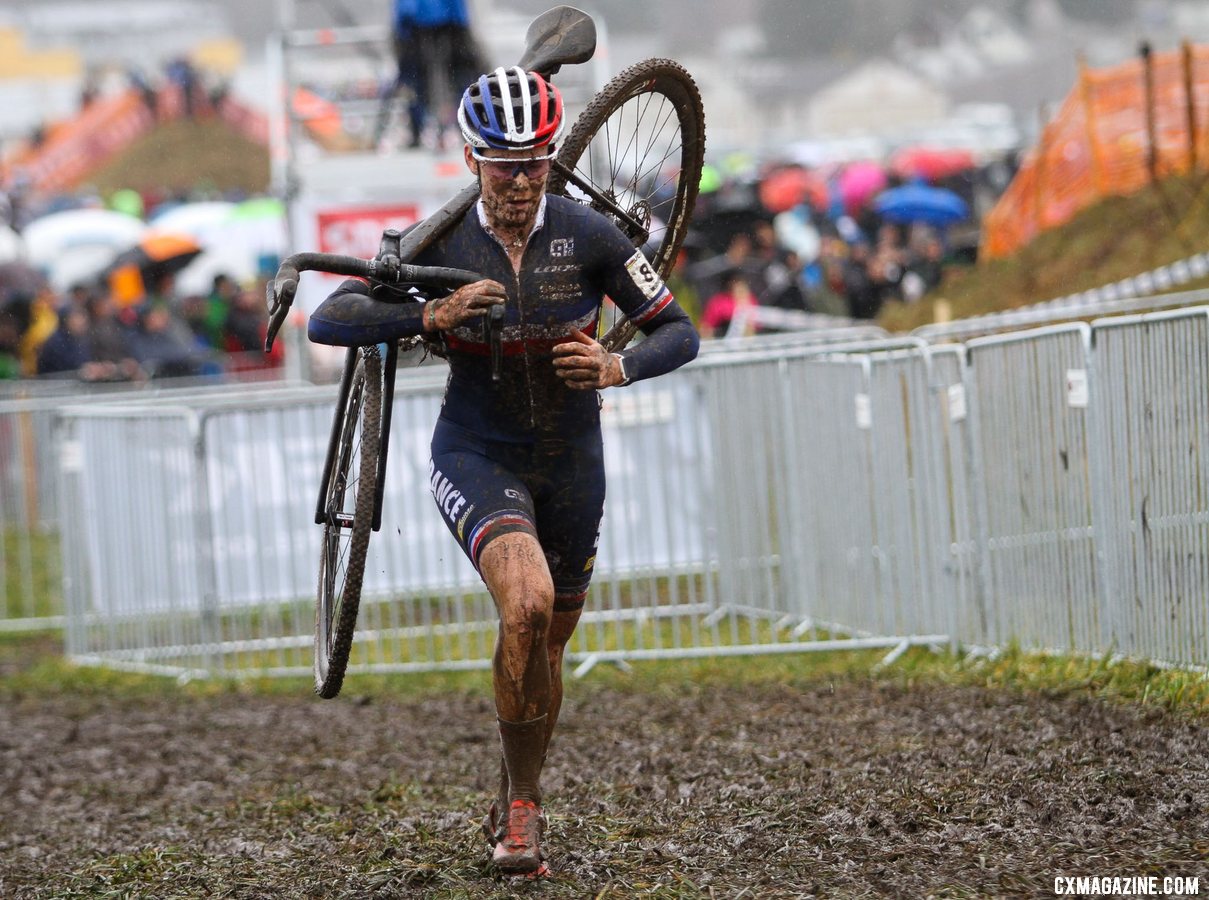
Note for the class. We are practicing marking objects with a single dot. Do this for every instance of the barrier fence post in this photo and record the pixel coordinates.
(1152, 157)
(209, 617)
(1189, 102)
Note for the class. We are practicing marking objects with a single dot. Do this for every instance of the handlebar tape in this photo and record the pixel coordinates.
(281, 290)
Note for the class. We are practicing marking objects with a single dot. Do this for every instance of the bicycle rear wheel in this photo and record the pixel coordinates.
(349, 514)
(641, 144)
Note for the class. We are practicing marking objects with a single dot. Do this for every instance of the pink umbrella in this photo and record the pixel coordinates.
(859, 182)
(931, 163)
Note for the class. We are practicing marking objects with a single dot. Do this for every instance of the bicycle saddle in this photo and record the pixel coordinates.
(558, 37)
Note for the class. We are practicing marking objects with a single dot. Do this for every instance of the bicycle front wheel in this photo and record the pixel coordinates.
(348, 521)
(640, 144)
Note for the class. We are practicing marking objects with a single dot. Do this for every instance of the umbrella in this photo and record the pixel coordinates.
(796, 232)
(786, 188)
(931, 163)
(127, 201)
(258, 209)
(711, 179)
(921, 203)
(260, 225)
(20, 278)
(860, 181)
(78, 244)
(160, 253)
(157, 254)
(199, 220)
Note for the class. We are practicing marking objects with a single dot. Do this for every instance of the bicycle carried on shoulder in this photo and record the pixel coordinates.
(634, 154)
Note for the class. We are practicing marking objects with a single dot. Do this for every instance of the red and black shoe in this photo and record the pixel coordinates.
(518, 841)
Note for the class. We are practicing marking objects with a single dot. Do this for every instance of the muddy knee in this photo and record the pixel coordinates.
(529, 614)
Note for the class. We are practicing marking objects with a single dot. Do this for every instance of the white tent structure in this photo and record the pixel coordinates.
(12, 247)
(238, 240)
(76, 245)
(879, 97)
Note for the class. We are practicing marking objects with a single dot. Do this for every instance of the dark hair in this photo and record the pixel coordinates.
(731, 277)
(19, 307)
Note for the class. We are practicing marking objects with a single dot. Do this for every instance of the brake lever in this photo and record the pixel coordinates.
(493, 335)
(279, 295)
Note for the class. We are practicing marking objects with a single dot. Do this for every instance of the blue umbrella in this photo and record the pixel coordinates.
(921, 203)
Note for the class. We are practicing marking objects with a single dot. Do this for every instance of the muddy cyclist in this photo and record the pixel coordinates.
(517, 465)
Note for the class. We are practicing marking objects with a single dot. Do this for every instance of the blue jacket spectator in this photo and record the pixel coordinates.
(433, 40)
(67, 351)
(159, 350)
(411, 14)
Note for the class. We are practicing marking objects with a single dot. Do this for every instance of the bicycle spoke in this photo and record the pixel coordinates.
(646, 164)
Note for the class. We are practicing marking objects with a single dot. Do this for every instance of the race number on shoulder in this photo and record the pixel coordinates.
(644, 275)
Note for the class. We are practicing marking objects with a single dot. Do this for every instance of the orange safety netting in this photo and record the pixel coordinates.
(1099, 145)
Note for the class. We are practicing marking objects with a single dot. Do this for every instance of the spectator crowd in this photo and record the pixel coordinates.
(87, 334)
(817, 255)
(806, 259)
(846, 279)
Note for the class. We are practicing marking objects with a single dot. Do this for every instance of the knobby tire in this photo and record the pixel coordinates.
(363, 419)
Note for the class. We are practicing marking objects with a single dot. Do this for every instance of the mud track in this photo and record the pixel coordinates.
(847, 789)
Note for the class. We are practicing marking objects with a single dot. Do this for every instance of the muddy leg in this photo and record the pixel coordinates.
(561, 628)
(518, 577)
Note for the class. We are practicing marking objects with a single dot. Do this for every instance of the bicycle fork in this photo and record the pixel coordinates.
(389, 362)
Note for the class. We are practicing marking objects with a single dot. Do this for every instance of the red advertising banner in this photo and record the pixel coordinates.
(357, 230)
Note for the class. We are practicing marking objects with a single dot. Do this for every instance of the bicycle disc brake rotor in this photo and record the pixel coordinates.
(641, 212)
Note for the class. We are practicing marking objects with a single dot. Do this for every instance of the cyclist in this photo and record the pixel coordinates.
(517, 466)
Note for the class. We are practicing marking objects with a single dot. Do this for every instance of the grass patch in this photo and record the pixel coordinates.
(36, 669)
(1182, 691)
(185, 155)
(30, 566)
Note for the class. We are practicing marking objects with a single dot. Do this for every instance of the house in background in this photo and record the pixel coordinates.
(877, 98)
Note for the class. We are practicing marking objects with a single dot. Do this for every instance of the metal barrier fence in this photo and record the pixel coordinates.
(30, 565)
(1114, 299)
(1031, 396)
(1152, 425)
(700, 529)
(1047, 486)
(30, 508)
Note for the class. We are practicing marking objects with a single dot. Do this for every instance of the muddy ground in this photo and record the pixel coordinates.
(855, 788)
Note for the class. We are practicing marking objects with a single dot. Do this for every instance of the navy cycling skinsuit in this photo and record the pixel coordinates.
(524, 453)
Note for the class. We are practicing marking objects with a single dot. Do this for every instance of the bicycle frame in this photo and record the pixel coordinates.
(329, 460)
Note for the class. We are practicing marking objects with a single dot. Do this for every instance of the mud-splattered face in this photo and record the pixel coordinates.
(511, 183)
